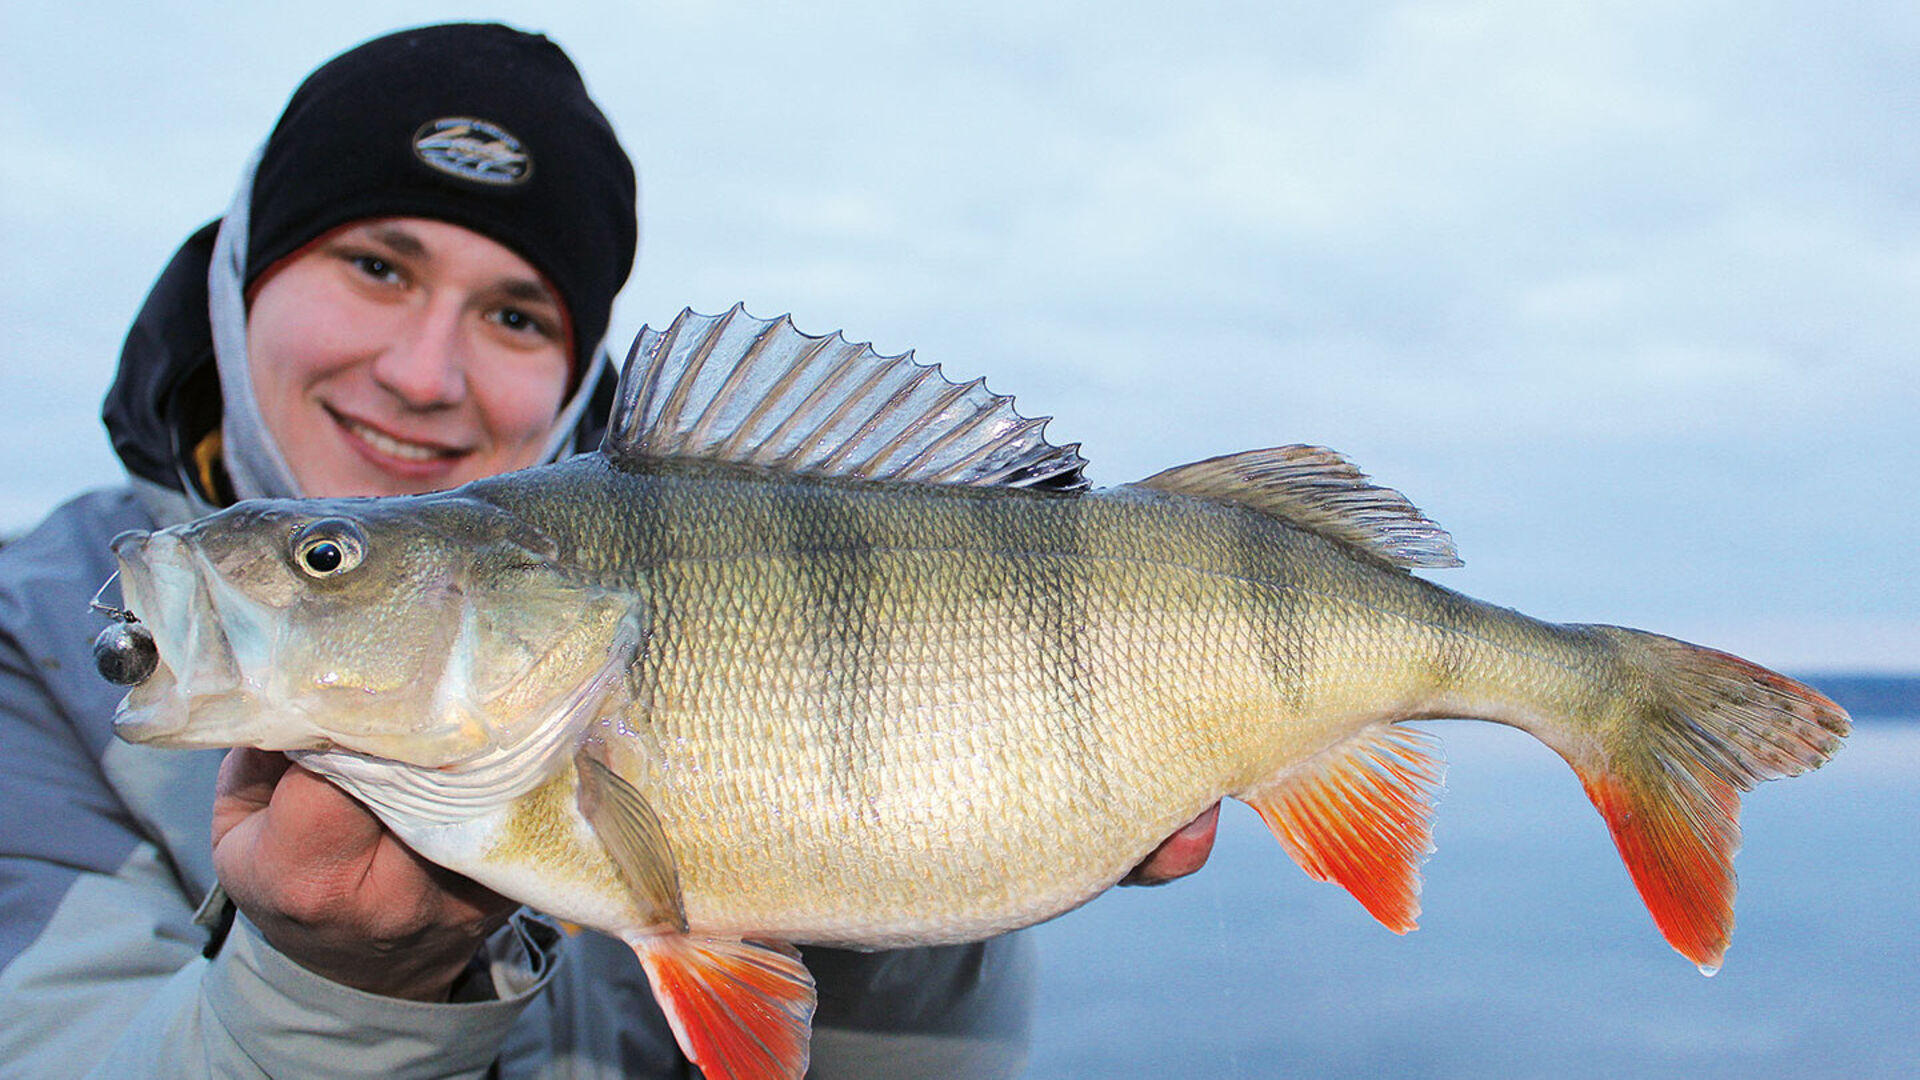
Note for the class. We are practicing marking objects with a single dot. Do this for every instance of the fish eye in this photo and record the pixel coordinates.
(328, 547)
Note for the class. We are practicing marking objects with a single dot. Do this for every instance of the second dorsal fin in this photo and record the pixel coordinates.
(753, 391)
(1317, 489)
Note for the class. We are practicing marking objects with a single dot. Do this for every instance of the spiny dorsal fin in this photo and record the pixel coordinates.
(1360, 814)
(759, 392)
(1317, 489)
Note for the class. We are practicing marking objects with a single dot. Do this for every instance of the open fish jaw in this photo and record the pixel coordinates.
(195, 698)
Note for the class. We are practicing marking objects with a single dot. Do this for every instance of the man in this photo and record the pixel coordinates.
(409, 292)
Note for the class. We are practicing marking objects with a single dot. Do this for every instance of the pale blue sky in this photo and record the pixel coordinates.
(1623, 294)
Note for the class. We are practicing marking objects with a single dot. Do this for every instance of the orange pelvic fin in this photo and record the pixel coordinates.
(1360, 814)
(741, 1010)
(1669, 783)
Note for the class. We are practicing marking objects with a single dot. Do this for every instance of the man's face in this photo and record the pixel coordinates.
(401, 355)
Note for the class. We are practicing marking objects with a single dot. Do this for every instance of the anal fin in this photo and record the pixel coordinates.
(1360, 814)
(741, 1010)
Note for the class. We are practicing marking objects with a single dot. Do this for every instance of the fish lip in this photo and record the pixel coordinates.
(154, 721)
(159, 709)
(152, 708)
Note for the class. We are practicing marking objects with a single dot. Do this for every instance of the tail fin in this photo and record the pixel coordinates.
(1668, 780)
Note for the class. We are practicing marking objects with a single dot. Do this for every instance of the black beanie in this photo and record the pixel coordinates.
(474, 124)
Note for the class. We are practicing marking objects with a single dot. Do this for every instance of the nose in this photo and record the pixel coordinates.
(425, 363)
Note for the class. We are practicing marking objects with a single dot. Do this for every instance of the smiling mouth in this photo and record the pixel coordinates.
(392, 447)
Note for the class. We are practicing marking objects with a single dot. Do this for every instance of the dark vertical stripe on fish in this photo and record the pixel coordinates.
(1276, 610)
(1450, 655)
(830, 538)
(1045, 589)
(643, 527)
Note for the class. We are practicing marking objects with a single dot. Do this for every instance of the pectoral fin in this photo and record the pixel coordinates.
(634, 839)
(1361, 814)
(739, 1009)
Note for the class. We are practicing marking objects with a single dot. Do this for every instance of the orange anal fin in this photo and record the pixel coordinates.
(1360, 814)
(741, 1010)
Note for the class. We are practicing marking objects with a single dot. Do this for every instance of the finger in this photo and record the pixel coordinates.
(1180, 854)
(292, 837)
(323, 831)
(460, 897)
(249, 775)
(311, 821)
(245, 786)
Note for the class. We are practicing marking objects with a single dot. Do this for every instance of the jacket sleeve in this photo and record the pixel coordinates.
(252, 1012)
(960, 1011)
(90, 918)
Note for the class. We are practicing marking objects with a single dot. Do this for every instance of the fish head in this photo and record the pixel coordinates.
(427, 630)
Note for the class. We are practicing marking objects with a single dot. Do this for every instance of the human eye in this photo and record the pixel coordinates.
(519, 322)
(375, 267)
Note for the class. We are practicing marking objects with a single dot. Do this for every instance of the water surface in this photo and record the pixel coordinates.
(1535, 957)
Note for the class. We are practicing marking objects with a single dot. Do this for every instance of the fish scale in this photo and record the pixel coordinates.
(744, 680)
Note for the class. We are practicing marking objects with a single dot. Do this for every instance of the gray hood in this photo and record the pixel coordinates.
(254, 463)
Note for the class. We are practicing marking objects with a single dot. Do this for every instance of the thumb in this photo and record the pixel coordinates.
(245, 786)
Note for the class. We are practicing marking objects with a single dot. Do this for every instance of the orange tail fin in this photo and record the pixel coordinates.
(742, 1010)
(1668, 780)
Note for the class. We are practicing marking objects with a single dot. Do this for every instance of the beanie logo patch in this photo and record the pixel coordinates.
(475, 150)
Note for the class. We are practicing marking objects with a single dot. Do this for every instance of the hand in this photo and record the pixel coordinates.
(1180, 854)
(331, 888)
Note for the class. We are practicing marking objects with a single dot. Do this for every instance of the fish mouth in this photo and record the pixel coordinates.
(197, 682)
